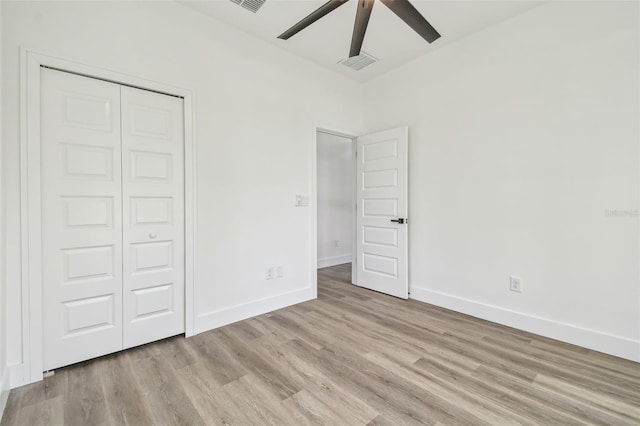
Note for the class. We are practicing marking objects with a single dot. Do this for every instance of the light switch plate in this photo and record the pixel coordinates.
(302, 200)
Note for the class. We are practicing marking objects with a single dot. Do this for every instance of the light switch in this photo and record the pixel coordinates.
(302, 200)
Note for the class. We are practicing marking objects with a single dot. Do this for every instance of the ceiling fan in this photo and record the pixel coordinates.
(402, 8)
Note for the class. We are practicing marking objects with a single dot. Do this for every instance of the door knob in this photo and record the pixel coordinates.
(400, 220)
(153, 236)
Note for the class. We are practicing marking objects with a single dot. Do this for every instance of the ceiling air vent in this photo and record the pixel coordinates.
(358, 62)
(252, 5)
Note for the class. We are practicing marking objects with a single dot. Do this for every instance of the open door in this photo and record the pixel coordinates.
(381, 219)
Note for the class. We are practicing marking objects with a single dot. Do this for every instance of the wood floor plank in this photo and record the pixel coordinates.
(355, 382)
(84, 402)
(311, 410)
(282, 332)
(167, 400)
(395, 389)
(350, 408)
(46, 412)
(13, 408)
(598, 376)
(178, 352)
(622, 412)
(515, 402)
(261, 366)
(452, 343)
(212, 402)
(120, 387)
(471, 402)
(380, 421)
(222, 364)
(350, 357)
(258, 405)
(575, 409)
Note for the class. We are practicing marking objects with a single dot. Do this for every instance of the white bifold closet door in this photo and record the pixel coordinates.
(153, 220)
(113, 217)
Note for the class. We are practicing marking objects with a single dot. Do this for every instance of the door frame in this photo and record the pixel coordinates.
(30, 197)
(314, 202)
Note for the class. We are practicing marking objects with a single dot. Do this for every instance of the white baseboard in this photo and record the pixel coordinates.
(219, 318)
(333, 261)
(4, 391)
(592, 339)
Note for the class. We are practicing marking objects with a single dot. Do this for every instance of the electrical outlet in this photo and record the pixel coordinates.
(515, 284)
(270, 273)
(280, 271)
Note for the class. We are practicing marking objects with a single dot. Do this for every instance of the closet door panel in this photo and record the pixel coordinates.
(153, 216)
(81, 210)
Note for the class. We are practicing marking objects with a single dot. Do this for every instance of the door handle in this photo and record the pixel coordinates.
(153, 236)
(400, 220)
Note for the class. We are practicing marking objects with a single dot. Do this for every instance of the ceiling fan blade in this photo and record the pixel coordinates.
(360, 27)
(412, 18)
(323, 10)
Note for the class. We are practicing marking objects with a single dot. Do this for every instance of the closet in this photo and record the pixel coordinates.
(113, 216)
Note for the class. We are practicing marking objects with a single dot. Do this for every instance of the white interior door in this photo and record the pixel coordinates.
(381, 219)
(82, 226)
(153, 220)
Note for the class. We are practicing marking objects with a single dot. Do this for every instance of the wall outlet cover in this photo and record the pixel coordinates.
(515, 284)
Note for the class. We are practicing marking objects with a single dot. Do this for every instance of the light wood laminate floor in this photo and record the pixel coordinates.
(352, 357)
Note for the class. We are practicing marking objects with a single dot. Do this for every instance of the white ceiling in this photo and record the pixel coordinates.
(388, 38)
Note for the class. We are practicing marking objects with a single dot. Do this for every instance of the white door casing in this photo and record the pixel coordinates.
(153, 220)
(382, 198)
(81, 221)
(31, 366)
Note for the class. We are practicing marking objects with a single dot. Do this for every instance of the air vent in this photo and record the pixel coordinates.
(358, 62)
(252, 5)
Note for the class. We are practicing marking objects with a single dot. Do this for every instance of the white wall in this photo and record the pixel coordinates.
(335, 195)
(255, 112)
(4, 371)
(521, 137)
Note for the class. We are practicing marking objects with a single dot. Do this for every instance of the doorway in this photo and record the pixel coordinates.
(335, 199)
(362, 191)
